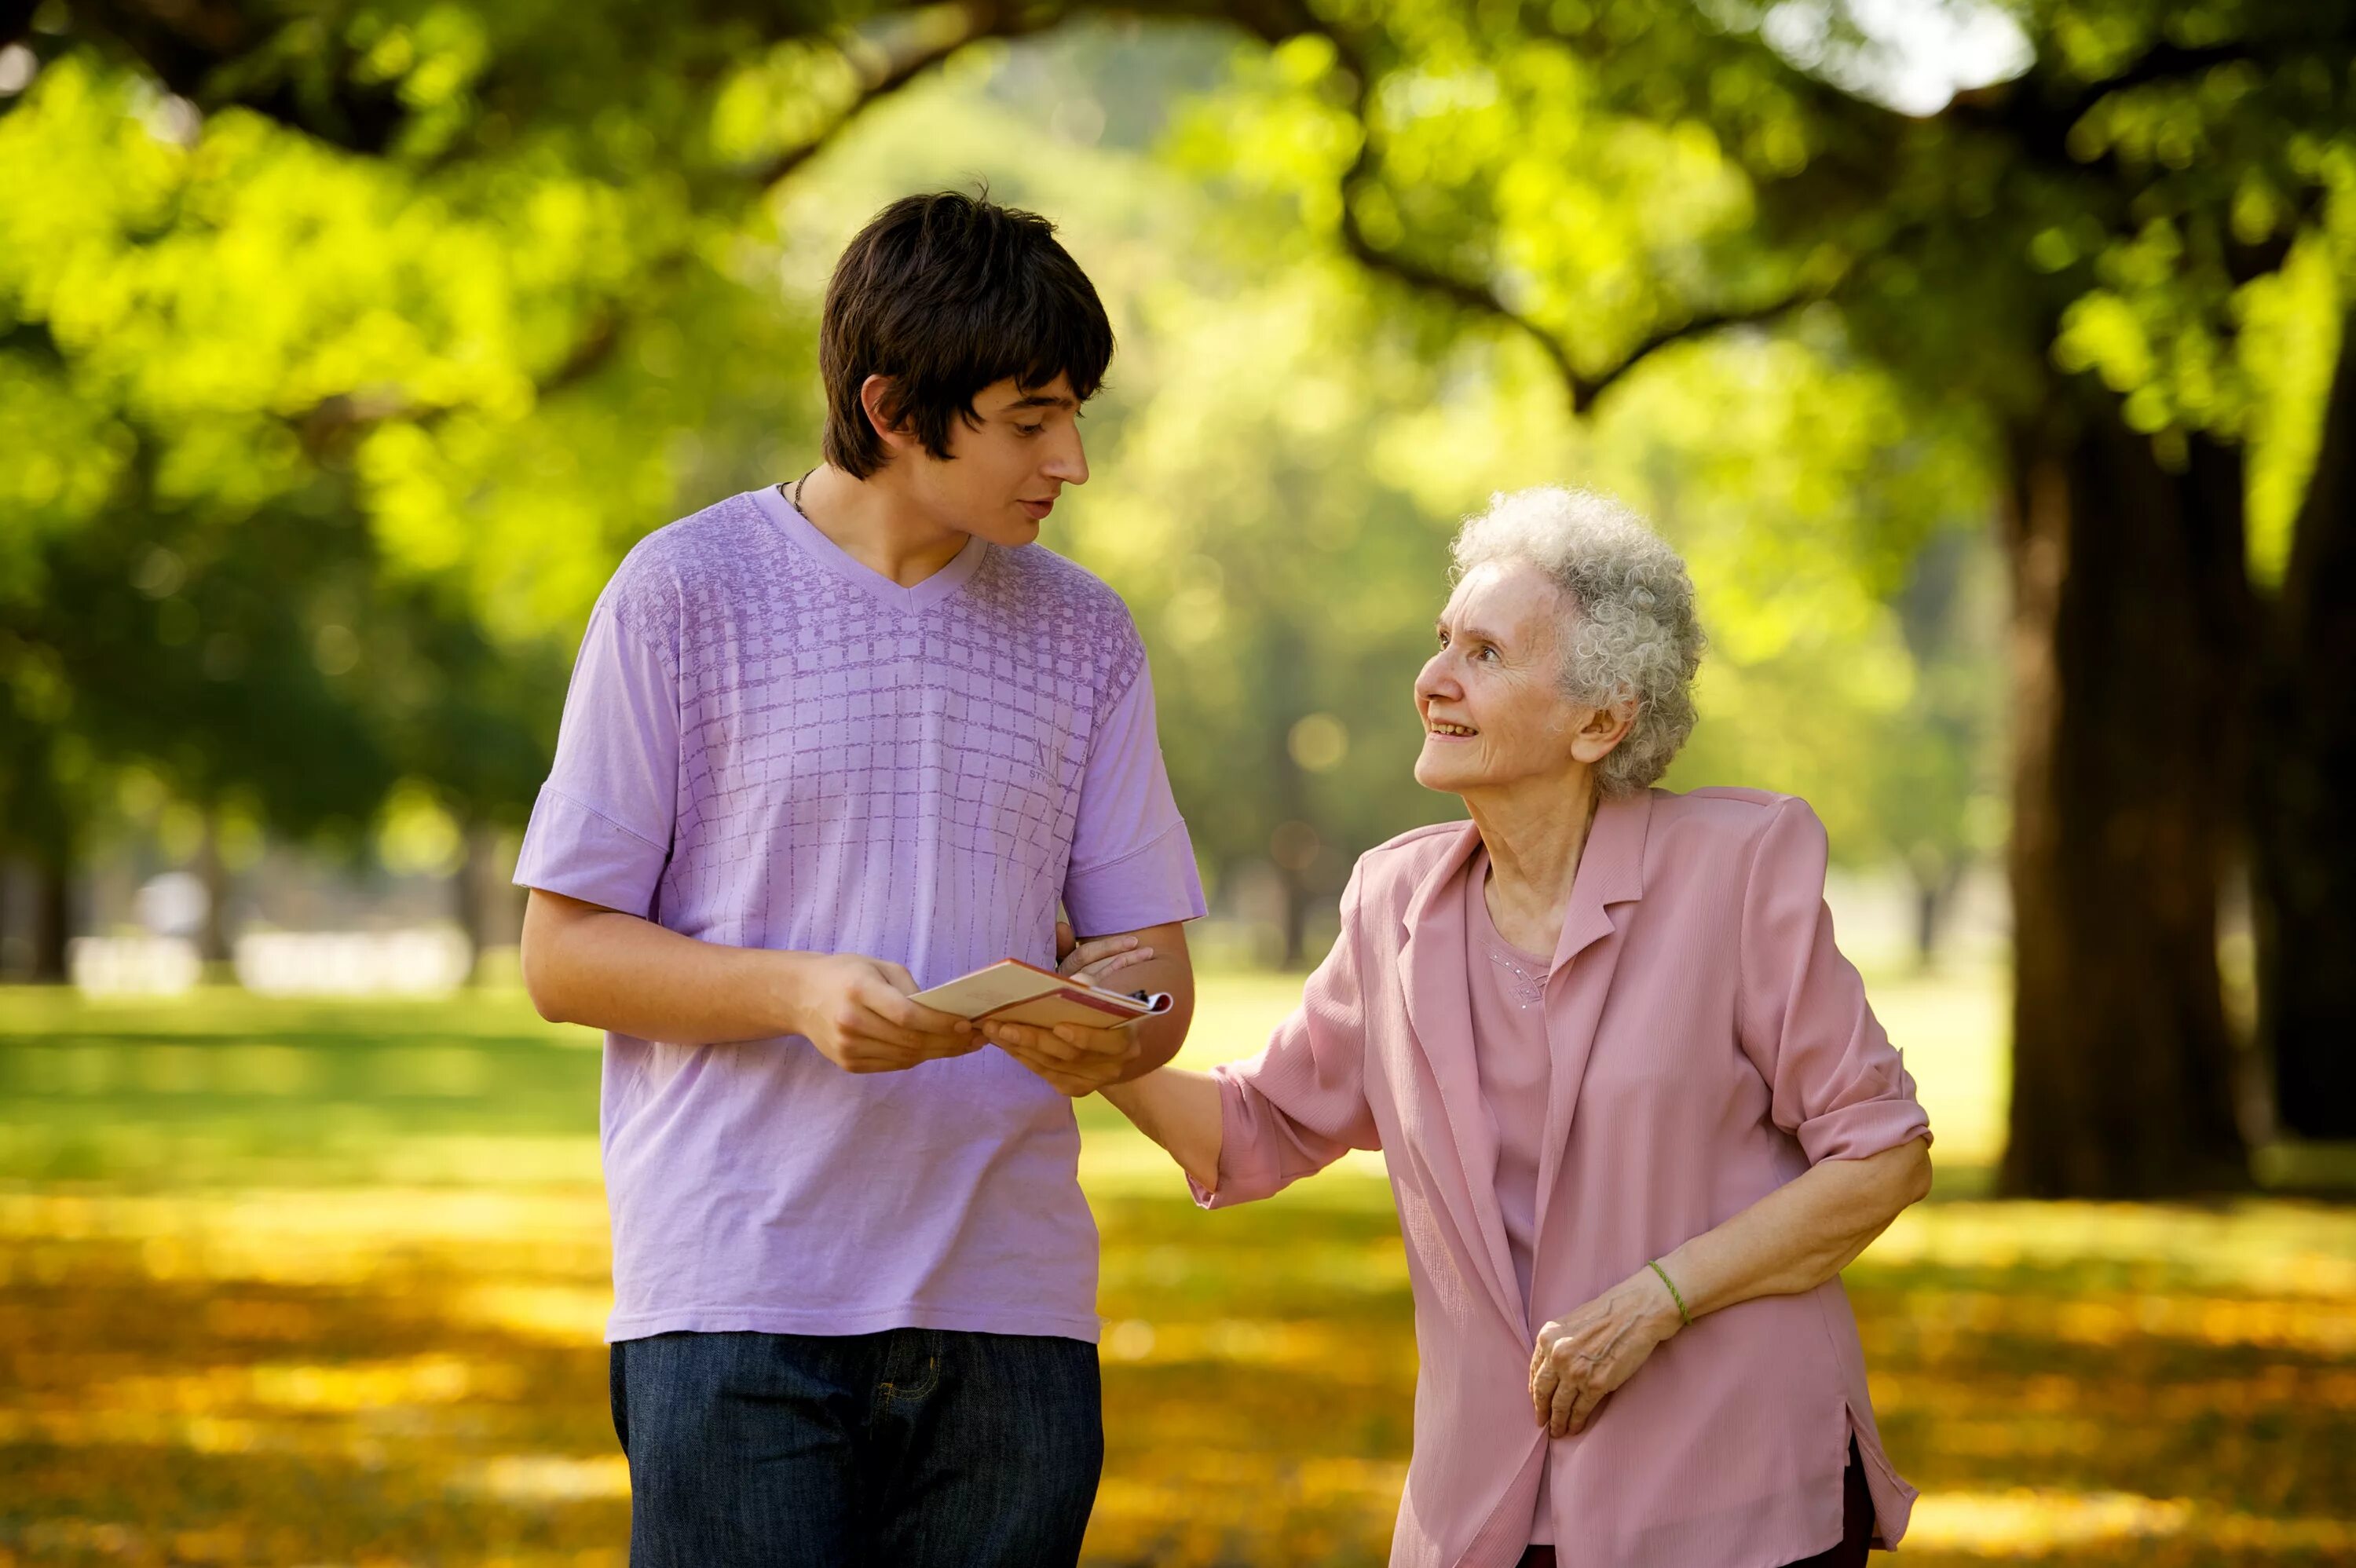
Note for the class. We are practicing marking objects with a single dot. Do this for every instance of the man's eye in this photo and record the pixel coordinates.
(1030, 429)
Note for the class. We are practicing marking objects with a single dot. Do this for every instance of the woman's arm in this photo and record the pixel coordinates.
(1800, 1234)
(1256, 1127)
(1793, 1240)
(1180, 1111)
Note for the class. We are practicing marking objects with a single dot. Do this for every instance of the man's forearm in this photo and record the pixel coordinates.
(1159, 1038)
(612, 971)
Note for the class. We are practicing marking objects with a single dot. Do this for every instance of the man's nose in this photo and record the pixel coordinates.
(1068, 463)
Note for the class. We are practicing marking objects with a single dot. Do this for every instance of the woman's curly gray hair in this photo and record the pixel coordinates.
(1629, 631)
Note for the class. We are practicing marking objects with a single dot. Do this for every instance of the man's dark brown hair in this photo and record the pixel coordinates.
(946, 295)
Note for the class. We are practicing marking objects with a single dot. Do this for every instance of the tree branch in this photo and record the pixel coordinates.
(1479, 299)
(889, 57)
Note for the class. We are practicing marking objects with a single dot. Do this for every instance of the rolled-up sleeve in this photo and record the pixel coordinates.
(1301, 1104)
(601, 830)
(1835, 1082)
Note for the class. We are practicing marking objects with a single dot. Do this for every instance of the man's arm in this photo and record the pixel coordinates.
(1080, 1061)
(587, 964)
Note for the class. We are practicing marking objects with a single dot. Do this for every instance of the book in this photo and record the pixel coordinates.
(1010, 991)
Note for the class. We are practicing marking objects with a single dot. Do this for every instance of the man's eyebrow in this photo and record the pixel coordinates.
(1042, 401)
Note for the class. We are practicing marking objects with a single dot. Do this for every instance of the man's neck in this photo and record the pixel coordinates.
(870, 522)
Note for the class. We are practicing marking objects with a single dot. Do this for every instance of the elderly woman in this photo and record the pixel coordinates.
(1636, 1112)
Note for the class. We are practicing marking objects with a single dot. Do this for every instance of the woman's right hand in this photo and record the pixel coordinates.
(1091, 962)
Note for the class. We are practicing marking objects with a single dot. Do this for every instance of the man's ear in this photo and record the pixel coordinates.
(876, 396)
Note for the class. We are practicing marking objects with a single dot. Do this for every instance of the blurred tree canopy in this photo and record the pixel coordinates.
(352, 342)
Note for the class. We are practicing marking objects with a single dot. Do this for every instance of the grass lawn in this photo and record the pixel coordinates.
(312, 1283)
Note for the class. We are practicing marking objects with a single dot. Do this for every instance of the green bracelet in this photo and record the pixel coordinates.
(1683, 1316)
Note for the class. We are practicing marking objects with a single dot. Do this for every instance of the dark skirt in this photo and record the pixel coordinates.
(1857, 1525)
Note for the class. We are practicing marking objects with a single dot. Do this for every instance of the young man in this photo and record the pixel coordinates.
(828, 744)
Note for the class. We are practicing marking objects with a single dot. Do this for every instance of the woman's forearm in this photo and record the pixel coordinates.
(1180, 1111)
(1803, 1233)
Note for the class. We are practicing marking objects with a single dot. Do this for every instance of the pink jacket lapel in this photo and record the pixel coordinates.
(1611, 872)
(1439, 1018)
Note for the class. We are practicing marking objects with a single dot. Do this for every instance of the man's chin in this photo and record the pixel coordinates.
(1014, 534)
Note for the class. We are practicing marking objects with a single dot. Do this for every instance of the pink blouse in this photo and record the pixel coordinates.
(1707, 1044)
(1507, 989)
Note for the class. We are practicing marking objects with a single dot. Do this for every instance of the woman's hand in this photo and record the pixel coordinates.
(1090, 963)
(1580, 1358)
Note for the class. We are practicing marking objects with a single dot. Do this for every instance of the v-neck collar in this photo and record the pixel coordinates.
(836, 559)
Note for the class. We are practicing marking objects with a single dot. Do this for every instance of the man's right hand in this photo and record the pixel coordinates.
(857, 1012)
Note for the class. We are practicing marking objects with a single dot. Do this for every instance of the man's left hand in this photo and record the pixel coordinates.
(1078, 1061)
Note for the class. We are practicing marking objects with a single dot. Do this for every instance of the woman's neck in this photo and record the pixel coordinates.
(1535, 831)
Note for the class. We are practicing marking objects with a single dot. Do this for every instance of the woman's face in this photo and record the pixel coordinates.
(1494, 710)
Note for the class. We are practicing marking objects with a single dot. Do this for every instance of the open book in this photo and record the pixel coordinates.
(1010, 991)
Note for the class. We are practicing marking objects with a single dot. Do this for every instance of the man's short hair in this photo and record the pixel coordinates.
(947, 295)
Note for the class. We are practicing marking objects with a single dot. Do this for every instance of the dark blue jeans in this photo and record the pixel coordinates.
(912, 1446)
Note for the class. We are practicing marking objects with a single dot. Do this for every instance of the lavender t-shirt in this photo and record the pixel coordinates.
(767, 744)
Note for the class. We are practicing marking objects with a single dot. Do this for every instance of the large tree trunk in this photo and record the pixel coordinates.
(2303, 782)
(2130, 674)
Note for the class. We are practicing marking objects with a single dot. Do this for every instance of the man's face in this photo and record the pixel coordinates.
(1004, 474)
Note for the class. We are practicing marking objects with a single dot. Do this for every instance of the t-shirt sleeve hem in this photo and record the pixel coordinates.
(1153, 884)
(578, 851)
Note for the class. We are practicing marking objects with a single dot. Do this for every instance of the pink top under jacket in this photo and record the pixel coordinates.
(1710, 1044)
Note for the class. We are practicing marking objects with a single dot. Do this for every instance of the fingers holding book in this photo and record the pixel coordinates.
(1074, 1061)
(859, 1013)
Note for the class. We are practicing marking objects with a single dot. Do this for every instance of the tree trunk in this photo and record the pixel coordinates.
(2302, 780)
(52, 920)
(1933, 895)
(213, 935)
(2130, 660)
(483, 900)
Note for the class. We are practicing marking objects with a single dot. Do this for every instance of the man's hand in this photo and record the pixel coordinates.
(857, 1012)
(1580, 1359)
(1078, 1061)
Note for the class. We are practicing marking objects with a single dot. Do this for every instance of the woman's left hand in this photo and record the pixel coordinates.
(1580, 1358)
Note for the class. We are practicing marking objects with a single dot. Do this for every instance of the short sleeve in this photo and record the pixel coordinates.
(1836, 1084)
(1132, 863)
(601, 830)
(1301, 1104)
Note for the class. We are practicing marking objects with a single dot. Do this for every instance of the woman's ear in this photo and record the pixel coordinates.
(1604, 728)
(876, 400)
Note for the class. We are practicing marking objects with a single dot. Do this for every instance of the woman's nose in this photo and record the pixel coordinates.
(1433, 680)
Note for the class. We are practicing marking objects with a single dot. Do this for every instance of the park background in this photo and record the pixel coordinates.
(1983, 361)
